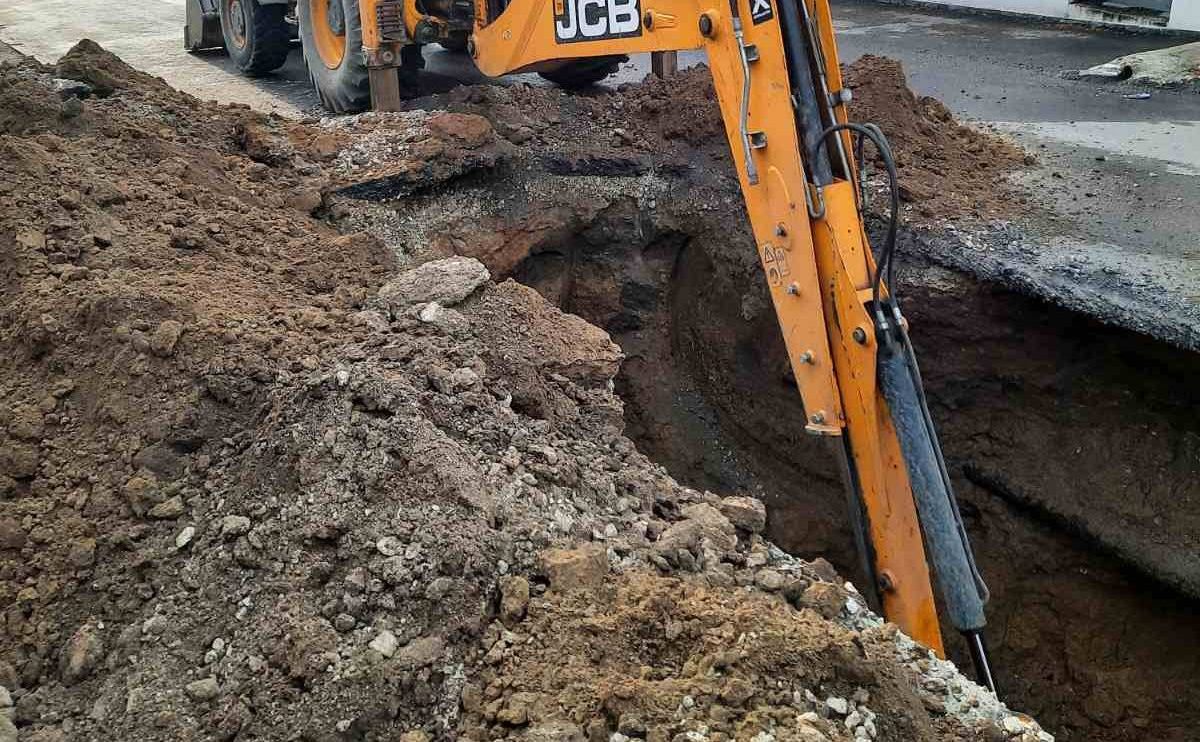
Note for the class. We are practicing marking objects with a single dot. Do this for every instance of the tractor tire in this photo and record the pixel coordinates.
(456, 42)
(256, 36)
(581, 73)
(331, 35)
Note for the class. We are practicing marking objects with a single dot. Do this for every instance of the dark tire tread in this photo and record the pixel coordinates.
(268, 39)
(581, 73)
(346, 89)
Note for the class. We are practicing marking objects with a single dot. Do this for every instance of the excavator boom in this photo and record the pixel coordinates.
(775, 68)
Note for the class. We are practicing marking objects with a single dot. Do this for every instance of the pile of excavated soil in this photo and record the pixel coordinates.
(259, 479)
(946, 169)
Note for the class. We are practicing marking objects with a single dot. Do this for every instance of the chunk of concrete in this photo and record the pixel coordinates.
(447, 281)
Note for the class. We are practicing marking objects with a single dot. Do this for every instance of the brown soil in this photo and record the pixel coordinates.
(647, 653)
(947, 170)
(257, 481)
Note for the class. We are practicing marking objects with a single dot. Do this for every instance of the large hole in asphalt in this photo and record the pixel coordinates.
(1060, 433)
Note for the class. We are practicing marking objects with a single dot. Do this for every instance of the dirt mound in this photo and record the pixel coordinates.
(652, 657)
(258, 480)
(947, 169)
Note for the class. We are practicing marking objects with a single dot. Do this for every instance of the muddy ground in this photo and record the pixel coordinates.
(265, 478)
(1073, 443)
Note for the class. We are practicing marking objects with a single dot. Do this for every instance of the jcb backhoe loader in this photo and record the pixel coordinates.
(775, 68)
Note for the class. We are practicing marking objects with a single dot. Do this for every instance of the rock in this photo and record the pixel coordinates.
(19, 460)
(825, 598)
(415, 735)
(421, 652)
(769, 580)
(806, 731)
(447, 281)
(575, 569)
(26, 422)
(514, 598)
(185, 537)
(389, 546)
(82, 553)
(736, 691)
(837, 705)
(233, 526)
(307, 200)
(324, 146)
(70, 88)
(703, 525)
(6, 700)
(746, 513)
(463, 378)
(81, 655)
(12, 536)
(439, 588)
(203, 690)
(385, 643)
(166, 335)
(344, 622)
(8, 730)
(141, 492)
(631, 725)
(168, 509)
(466, 129)
(449, 321)
(554, 731)
(1013, 725)
(370, 319)
(516, 709)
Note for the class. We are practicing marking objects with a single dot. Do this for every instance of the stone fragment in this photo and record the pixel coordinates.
(168, 509)
(165, 337)
(447, 281)
(769, 580)
(185, 537)
(19, 460)
(385, 642)
(514, 598)
(26, 422)
(466, 129)
(203, 690)
(12, 536)
(825, 598)
(421, 652)
(233, 526)
(702, 525)
(575, 569)
(746, 513)
(81, 655)
(82, 553)
(837, 705)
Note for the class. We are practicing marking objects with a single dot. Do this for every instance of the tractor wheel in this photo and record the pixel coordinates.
(331, 35)
(256, 36)
(456, 42)
(581, 73)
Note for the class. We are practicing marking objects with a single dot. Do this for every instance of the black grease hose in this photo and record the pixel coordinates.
(884, 262)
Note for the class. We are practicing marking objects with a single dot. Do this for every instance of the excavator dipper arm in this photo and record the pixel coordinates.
(775, 68)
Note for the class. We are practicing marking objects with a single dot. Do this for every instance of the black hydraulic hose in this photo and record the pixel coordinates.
(884, 262)
(804, 95)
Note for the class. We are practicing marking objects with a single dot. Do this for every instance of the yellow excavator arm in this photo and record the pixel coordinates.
(775, 68)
